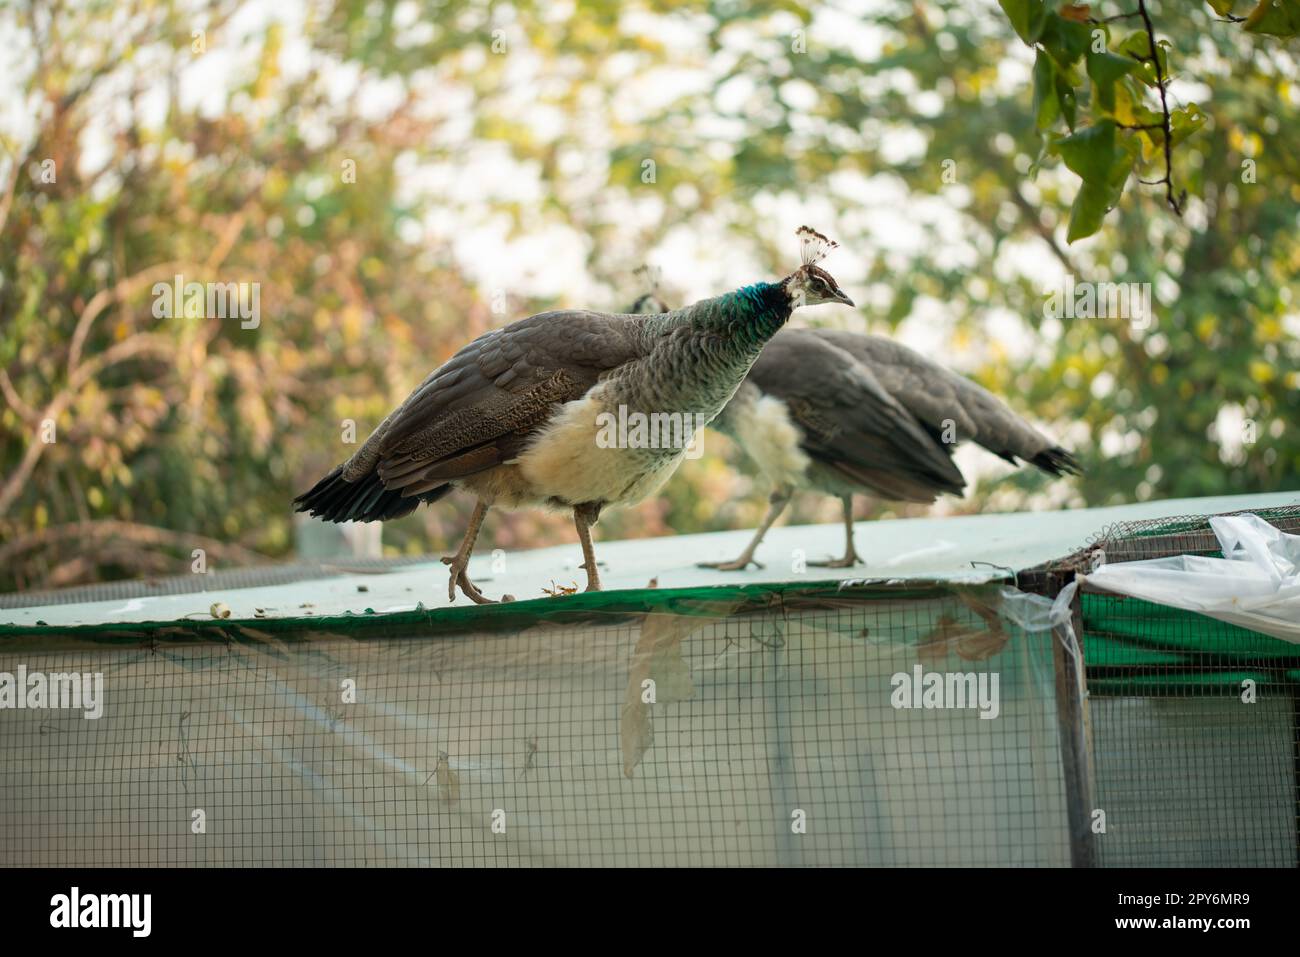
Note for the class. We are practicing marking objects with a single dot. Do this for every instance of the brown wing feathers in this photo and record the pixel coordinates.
(337, 500)
(936, 395)
(475, 412)
(852, 426)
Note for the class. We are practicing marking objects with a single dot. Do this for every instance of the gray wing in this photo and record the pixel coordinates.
(475, 412)
(938, 396)
(480, 408)
(852, 426)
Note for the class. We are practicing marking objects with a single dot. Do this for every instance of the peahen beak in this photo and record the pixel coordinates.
(841, 297)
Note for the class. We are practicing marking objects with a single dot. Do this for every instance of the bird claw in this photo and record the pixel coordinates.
(848, 561)
(735, 565)
(459, 576)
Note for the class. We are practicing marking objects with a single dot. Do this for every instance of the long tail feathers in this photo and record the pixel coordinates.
(333, 499)
(1057, 461)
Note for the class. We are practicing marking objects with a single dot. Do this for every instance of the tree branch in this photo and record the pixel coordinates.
(16, 402)
(1175, 203)
(140, 345)
(1043, 231)
(122, 290)
(1116, 17)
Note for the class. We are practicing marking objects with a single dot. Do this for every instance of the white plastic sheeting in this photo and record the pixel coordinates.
(1034, 613)
(1255, 585)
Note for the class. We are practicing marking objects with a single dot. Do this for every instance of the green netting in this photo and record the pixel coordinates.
(771, 737)
(1136, 647)
(572, 609)
(1195, 738)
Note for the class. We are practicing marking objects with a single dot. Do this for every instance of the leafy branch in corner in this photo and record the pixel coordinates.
(1095, 84)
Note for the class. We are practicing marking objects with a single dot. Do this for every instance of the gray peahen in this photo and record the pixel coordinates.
(845, 413)
(517, 416)
(649, 303)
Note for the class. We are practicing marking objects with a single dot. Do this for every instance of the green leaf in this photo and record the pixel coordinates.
(1127, 154)
(1044, 151)
(1026, 16)
(1222, 7)
(1279, 18)
(1090, 153)
(1046, 105)
(1104, 165)
(1184, 122)
(1065, 100)
(1066, 40)
(1137, 46)
(1091, 204)
(1105, 69)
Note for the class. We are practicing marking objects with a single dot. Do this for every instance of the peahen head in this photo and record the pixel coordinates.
(649, 303)
(810, 285)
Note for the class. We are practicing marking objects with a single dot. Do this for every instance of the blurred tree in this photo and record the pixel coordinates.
(340, 151)
(189, 432)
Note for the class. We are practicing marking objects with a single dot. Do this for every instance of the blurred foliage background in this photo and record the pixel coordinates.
(400, 177)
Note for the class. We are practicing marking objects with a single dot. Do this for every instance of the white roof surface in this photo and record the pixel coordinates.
(911, 549)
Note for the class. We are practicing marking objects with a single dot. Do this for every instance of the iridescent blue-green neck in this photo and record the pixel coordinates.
(748, 316)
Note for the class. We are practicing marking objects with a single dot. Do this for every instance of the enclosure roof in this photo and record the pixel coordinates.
(967, 549)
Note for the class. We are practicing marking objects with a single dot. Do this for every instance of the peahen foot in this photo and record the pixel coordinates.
(848, 561)
(459, 576)
(735, 565)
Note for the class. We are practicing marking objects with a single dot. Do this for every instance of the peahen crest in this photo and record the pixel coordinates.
(651, 276)
(649, 303)
(813, 246)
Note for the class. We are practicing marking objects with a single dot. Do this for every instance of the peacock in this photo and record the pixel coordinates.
(844, 413)
(520, 416)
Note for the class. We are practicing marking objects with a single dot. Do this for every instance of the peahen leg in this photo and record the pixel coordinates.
(776, 505)
(460, 561)
(850, 553)
(585, 516)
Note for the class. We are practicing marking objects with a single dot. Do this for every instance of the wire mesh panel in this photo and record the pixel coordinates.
(1195, 757)
(1158, 538)
(788, 729)
(1195, 744)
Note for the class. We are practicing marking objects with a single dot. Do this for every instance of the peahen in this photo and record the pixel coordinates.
(845, 413)
(519, 416)
(649, 302)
